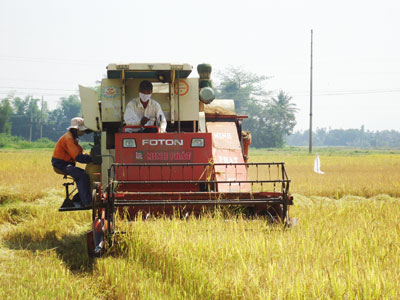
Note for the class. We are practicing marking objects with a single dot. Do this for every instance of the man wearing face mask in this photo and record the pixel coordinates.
(144, 110)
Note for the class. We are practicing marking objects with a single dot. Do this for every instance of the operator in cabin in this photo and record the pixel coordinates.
(144, 111)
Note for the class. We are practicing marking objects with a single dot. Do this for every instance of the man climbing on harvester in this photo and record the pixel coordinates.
(66, 153)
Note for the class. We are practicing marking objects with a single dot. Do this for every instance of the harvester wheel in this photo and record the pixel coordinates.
(90, 243)
(96, 207)
(96, 235)
(110, 220)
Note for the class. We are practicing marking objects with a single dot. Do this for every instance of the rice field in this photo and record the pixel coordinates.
(363, 175)
(346, 244)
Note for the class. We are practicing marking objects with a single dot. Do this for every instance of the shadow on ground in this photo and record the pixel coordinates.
(70, 248)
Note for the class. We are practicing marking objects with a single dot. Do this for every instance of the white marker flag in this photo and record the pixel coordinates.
(317, 165)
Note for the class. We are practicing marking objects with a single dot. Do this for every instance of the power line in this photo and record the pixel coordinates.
(27, 88)
(320, 93)
(339, 93)
(41, 81)
(31, 94)
(359, 92)
(52, 60)
(62, 92)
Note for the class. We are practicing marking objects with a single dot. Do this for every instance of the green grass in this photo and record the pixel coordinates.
(10, 142)
(15, 142)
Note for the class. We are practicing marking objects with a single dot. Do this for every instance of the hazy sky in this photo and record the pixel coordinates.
(48, 47)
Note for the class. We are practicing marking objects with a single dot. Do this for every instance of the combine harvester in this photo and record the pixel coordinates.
(199, 163)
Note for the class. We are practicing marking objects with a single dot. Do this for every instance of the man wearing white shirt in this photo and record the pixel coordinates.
(144, 111)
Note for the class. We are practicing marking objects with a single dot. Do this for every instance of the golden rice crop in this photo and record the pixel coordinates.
(345, 248)
(343, 251)
(361, 175)
(26, 175)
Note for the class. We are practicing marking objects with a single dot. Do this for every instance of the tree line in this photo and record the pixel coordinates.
(359, 138)
(271, 118)
(31, 119)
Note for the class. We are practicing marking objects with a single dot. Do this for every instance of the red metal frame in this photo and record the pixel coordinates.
(162, 149)
(161, 171)
(192, 195)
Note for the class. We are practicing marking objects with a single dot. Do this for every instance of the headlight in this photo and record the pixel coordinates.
(197, 143)
(129, 143)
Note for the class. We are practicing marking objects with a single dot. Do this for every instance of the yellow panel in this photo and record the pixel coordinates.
(90, 108)
(111, 90)
(189, 100)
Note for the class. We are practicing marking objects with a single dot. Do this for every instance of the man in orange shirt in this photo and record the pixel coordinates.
(67, 152)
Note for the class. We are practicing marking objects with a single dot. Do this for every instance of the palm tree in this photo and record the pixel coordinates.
(284, 111)
(283, 101)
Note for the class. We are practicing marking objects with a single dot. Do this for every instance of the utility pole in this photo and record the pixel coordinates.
(311, 94)
(30, 127)
(41, 119)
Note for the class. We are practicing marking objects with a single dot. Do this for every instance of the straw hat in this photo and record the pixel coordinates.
(77, 123)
